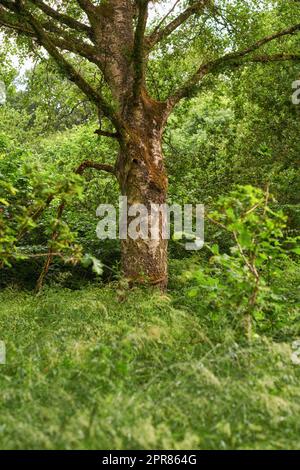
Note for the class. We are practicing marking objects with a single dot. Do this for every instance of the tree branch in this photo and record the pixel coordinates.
(112, 135)
(264, 59)
(87, 6)
(59, 37)
(164, 18)
(234, 59)
(62, 17)
(138, 49)
(96, 166)
(10, 22)
(159, 35)
(72, 74)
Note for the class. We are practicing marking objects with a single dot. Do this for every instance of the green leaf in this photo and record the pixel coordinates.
(215, 249)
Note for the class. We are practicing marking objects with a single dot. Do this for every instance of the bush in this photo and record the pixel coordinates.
(239, 283)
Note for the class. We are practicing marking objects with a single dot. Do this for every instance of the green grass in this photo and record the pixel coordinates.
(88, 371)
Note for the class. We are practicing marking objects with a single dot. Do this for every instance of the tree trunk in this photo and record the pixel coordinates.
(144, 260)
(143, 180)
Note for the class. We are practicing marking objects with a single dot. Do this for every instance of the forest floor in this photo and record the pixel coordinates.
(87, 369)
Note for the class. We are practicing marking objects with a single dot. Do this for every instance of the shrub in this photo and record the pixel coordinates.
(239, 282)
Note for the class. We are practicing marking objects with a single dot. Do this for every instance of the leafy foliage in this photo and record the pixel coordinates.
(98, 365)
(239, 282)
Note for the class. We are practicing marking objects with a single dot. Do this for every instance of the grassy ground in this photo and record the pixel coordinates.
(86, 370)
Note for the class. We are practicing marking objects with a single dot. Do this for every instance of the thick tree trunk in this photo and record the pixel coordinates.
(143, 180)
(140, 169)
(145, 260)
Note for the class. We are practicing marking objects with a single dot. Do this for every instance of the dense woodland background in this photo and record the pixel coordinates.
(212, 362)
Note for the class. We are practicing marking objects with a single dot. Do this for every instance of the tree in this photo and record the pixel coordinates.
(117, 41)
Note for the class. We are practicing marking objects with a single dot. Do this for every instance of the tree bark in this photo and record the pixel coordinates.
(143, 180)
